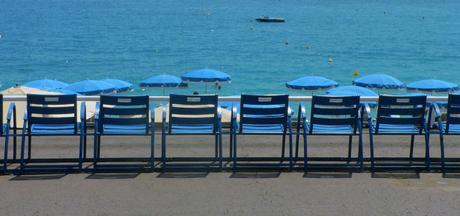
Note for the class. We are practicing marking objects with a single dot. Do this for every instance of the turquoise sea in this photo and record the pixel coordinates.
(73, 40)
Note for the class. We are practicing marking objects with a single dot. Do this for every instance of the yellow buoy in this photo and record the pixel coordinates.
(356, 73)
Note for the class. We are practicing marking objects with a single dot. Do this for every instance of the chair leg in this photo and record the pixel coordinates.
(283, 146)
(427, 151)
(29, 148)
(360, 151)
(297, 139)
(290, 150)
(99, 146)
(152, 150)
(80, 153)
(371, 145)
(230, 153)
(23, 144)
(443, 161)
(95, 154)
(163, 151)
(234, 167)
(305, 153)
(220, 151)
(350, 141)
(411, 154)
(216, 146)
(5, 153)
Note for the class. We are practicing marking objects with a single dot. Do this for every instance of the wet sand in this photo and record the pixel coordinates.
(224, 193)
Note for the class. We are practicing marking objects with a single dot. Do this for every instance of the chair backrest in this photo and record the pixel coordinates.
(264, 110)
(334, 110)
(124, 111)
(453, 110)
(52, 110)
(401, 110)
(193, 110)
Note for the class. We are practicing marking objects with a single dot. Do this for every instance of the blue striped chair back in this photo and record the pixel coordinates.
(334, 111)
(453, 110)
(123, 112)
(193, 111)
(52, 110)
(263, 110)
(401, 110)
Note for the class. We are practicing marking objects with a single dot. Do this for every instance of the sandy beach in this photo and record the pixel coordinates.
(225, 193)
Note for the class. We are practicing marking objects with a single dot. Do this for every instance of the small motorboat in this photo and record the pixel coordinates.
(270, 19)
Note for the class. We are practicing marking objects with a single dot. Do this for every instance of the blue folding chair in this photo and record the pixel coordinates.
(123, 116)
(193, 115)
(450, 127)
(5, 131)
(52, 115)
(331, 116)
(262, 115)
(400, 115)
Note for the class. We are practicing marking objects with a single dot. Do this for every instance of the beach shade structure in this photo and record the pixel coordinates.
(432, 85)
(163, 81)
(120, 85)
(311, 83)
(46, 84)
(91, 87)
(206, 76)
(380, 81)
(351, 91)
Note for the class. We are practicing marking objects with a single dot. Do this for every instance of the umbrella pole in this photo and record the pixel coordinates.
(163, 91)
(206, 88)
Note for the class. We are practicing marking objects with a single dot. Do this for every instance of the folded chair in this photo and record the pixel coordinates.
(262, 115)
(331, 116)
(192, 115)
(450, 127)
(5, 131)
(400, 116)
(123, 116)
(52, 115)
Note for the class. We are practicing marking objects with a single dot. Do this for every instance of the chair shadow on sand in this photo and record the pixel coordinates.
(451, 175)
(396, 175)
(255, 175)
(183, 175)
(32, 177)
(113, 176)
(328, 175)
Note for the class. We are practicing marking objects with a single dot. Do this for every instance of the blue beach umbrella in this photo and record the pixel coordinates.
(432, 85)
(163, 81)
(311, 83)
(91, 87)
(65, 91)
(46, 84)
(351, 91)
(120, 85)
(206, 76)
(381, 81)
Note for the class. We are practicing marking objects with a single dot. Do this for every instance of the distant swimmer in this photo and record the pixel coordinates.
(330, 60)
